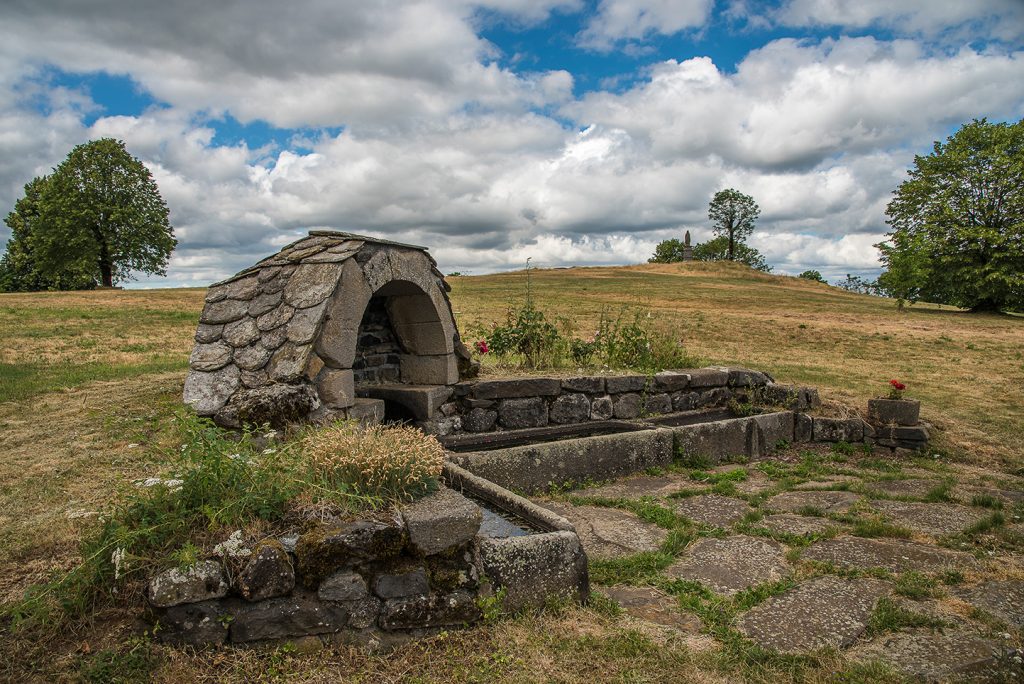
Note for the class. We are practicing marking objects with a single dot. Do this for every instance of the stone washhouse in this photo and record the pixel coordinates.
(291, 337)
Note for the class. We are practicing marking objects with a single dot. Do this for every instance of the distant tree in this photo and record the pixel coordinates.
(100, 212)
(958, 222)
(811, 274)
(732, 215)
(717, 249)
(19, 271)
(862, 286)
(667, 252)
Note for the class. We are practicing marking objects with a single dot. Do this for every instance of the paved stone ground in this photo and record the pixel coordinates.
(797, 579)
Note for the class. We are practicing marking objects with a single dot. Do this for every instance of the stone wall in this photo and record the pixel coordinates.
(370, 581)
(508, 404)
(378, 352)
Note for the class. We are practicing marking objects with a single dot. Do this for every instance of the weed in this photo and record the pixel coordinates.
(603, 605)
(891, 617)
(951, 577)
(986, 524)
(843, 448)
(638, 569)
(986, 501)
(915, 585)
(876, 527)
(940, 493)
(133, 662)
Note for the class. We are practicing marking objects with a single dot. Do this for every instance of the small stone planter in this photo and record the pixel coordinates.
(894, 411)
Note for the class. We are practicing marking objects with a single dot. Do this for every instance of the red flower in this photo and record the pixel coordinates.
(897, 385)
(481, 346)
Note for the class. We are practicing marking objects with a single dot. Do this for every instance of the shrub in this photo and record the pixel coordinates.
(386, 463)
(526, 332)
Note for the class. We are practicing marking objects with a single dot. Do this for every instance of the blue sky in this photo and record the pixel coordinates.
(495, 130)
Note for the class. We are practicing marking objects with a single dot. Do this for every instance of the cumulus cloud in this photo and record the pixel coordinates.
(618, 20)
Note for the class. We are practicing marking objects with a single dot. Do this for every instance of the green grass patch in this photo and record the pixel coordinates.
(20, 381)
(986, 501)
(889, 616)
(916, 585)
(638, 569)
(876, 527)
(940, 493)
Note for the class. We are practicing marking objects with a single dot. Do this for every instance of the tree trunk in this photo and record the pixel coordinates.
(106, 268)
(987, 306)
(732, 245)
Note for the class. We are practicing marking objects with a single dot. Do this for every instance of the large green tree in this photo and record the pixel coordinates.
(18, 268)
(717, 249)
(958, 222)
(732, 215)
(667, 252)
(100, 212)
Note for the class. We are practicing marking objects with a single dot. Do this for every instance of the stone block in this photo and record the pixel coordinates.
(837, 429)
(311, 284)
(201, 582)
(336, 388)
(224, 311)
(287, 617)
(744, 377)
(208, 333)
(718, 396)
(324, 550)
(570, 408)
(207, 393)
(429, 370)
(479, 420)
(339, 331)
(264, 303)
(717, 440)
(411, 582)
(288, 363)
(685, 401)
(268, 573)
(671, 381)
(523, 413)
(803, 427)
(535, 569)
(516, 389)
(210, 357)
(276, 404)
(708, 377)
(588, 384)
(193, 624)
(424, 402)
(617, 384)
(440, 522)
(275, 318)
(367, 411)
(602, 408)
(344, 585)
(305, 323)
(774, 427)
(252, 358)
(435, 610)
(536, 467)
(627, 406)
(657, 403)
(241, 333)
(423, 338)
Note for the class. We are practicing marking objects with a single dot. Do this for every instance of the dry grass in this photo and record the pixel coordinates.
(84, 412)
(393, 463)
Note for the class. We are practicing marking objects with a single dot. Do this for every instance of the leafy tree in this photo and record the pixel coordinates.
(862, 286)
(717, 249)
(958, 222)
(18, 269)
(732, 215)
(101, 212)
(667, 252)
(811, 274)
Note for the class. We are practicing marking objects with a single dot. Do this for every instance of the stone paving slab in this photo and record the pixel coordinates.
(713, 509)
(824, 501)
(932, 656)
(645, 485)
(824, 612)
(1009, 497)
(729, 565)
(654, 606)
(936, 519)
(609, 532)
(1002, 598)
(755, 483)
(913, 488)
(802, 525)
(890, 554)
(830, 482)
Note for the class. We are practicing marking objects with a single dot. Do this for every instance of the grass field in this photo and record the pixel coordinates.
(89, 383)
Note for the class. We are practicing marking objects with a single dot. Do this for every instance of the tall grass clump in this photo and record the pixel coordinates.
(383, 463)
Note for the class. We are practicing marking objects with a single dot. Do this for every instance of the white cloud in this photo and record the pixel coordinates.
(618, 20)
(1003, 19)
